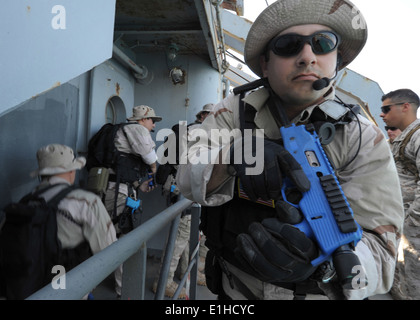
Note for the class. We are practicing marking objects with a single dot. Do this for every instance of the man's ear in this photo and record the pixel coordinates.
(263, 64)
(339, 60)
(406, 107)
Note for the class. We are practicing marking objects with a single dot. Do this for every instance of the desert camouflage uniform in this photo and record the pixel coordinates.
(181, 249)
(203, 249)
(138, 141)
(89, 221)
(370, 183)
(407, 277)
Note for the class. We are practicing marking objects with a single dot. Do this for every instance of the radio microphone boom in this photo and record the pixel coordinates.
(325, 82)
(322, 83)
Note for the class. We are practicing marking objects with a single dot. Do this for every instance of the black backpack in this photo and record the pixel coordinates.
(164, 170)
(103, 153)
(101, 147)
(29, 246)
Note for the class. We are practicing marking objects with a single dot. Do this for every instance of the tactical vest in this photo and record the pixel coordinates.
(407, 163)
(222, 224)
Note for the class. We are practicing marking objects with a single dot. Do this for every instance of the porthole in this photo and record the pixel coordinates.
(115, 110)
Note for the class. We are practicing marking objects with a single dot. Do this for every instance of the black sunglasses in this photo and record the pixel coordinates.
(386, 109)
(288, 45)
(390, 128)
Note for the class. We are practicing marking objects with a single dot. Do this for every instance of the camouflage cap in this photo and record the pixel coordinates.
(57, 158)
(342, 16)
(143, 112)
(207, 108)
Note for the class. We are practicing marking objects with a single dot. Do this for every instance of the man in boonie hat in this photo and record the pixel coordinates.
(57, 165)
(201, 115)
(56, 158)
(297, 48)
(135, 143)
(144, 112)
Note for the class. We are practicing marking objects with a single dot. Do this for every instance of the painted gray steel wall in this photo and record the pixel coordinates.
(175, 102)
(49, 118)
(108, 80)
(50, 42)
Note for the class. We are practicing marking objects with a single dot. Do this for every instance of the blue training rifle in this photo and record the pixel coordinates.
(328, 217)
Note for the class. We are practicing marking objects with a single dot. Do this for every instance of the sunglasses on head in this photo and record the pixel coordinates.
(288, 45)
(390, 128)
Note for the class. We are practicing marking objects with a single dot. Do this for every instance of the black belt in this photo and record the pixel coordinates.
(113, 178)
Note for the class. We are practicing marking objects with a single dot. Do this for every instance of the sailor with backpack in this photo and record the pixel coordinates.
(127, 152)
(55, 225)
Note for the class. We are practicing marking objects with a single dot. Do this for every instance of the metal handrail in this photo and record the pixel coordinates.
(192, 269)
(83, 278)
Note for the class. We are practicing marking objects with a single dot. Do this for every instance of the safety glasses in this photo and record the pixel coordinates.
(288, 45)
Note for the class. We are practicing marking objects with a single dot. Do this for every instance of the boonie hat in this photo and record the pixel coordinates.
(57, 158)
(342, 16)
(207, 108)
(143, 112)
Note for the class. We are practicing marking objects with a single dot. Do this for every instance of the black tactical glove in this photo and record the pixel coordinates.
(273, 160)
(275, 251)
